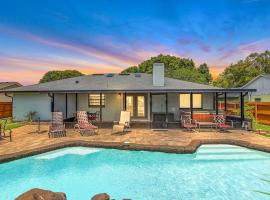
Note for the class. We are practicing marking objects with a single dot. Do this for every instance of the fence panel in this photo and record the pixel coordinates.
(5, 109)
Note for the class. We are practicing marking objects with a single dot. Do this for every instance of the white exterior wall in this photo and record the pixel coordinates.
(4, 98)
(24, 103)
(112, 109)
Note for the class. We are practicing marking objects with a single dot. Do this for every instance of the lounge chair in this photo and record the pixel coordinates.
(83, 124)
(3, 130)
(221, 124)
(123, 125)
(57, 127)
(188, 123)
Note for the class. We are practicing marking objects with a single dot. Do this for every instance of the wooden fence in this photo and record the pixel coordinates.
(5, 109)
(261, 110)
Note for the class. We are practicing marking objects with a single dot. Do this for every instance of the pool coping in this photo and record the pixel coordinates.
(190, 148)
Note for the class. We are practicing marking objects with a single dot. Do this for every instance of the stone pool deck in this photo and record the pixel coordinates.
(26, 142)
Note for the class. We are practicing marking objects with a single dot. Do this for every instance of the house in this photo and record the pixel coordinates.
(148, 97)
(262, 85)
(7, 85)
(6, 100)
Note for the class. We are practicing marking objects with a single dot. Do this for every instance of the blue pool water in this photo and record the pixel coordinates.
(214, 172)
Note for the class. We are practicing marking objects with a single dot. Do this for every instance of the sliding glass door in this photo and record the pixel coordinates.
(136, 105)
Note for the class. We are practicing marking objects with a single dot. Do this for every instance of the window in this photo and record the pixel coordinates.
(258, 99)
(140, 106)
(129, 104)
(94, 100)
(184, 100)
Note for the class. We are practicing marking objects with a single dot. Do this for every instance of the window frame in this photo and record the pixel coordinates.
(103, 101)
(201, 106)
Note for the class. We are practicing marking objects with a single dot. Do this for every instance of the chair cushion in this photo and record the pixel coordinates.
(189, 125)
(87, 126)
(224, 125)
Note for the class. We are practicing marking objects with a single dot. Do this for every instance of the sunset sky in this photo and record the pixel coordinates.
(99, 36)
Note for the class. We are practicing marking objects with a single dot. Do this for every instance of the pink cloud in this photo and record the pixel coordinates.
(192, 41)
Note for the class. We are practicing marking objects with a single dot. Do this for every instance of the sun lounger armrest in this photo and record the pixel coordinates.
(194, 121)
(231, 123)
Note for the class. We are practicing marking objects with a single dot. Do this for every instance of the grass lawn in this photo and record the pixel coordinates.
(12, 125)
(263, 127)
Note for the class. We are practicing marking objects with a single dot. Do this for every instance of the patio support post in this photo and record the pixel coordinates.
(166, 102)
(242, 108)
(124, 101)
(100, 107)
(225, 101)
(150, 110)
(76, 102)
(66, 105)
(216, 104)
(52, 103)
(191, 105)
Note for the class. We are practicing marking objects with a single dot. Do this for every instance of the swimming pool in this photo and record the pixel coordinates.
(218, 172)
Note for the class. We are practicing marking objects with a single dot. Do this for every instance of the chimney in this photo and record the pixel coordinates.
(158, 74)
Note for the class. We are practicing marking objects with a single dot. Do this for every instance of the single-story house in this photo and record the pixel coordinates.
(262, 85)
(7, 85)
(149, 97)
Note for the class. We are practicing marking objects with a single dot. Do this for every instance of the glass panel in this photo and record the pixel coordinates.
(197, 100)
(94, 100)
(129, 104)
(184, 100)
(140, 106)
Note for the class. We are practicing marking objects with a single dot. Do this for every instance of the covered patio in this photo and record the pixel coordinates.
(27, 141)
(153, 109)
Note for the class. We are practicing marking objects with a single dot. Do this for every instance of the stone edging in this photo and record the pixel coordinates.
(190, 148)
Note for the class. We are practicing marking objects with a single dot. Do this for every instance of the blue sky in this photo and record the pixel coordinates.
(107, 36)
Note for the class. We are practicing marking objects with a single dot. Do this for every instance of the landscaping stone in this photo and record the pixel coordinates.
(39, 194)
(101, 196)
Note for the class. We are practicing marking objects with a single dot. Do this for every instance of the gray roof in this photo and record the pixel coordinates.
(254, 79)
(6, 85)
(118, 82)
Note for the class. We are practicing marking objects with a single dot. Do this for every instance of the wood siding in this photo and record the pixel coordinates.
(5, 109)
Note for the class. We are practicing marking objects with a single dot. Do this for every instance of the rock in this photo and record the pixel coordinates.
(102, 196)
(39, 194)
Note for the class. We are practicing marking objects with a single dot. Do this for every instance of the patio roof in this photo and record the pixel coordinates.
(139, 82)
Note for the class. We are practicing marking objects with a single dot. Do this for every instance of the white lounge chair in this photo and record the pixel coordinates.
(123, 124)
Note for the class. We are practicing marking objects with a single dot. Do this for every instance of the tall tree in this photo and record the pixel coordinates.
(175, 67)
(203, 69)
(237, 75)
(58, 75)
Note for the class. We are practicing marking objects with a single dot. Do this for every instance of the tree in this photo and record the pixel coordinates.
(203, 69)
(175, 67)
(237, 75)
(58, 75)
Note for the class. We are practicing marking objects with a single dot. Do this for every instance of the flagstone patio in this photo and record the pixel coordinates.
(26, 141)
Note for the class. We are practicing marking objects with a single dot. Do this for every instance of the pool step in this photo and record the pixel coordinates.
(228, 152)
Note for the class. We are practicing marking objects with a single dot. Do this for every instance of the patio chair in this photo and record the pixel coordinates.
(220, 122)
(83, 125)
(188, 123)
(3, 129)
(123, 124)
(57, 127)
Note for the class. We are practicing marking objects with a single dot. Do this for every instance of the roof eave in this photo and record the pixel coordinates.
(231, 90)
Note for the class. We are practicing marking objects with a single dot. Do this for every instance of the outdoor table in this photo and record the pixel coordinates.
(206, 124)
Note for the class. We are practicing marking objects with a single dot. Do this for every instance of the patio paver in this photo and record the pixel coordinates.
(27, 142)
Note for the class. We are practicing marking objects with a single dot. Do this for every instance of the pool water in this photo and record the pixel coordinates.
(214, 172)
